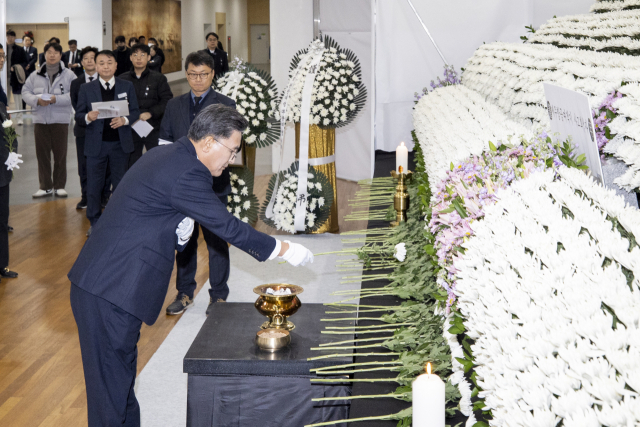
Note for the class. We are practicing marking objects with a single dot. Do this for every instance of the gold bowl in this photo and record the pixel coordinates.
(272, 339)
(278, 307)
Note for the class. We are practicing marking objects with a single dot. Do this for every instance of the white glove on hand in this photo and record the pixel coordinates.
(13, 161)
(297, 254)
(184, 230)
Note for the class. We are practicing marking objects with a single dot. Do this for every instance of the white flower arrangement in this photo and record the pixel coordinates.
(317, 203)
(242, 203)
(255, 94)
(551, 342)
(602, 6)
(338, 92)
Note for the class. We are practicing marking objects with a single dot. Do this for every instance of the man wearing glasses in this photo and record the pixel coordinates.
(179, 114)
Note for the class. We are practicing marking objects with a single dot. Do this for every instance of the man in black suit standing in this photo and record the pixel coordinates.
(107, 141)
(32, 55)
(180, 113)
(123, 56)
(72, 58)
(121, 276)
(153, 93)
(16, 61)
(219, 56)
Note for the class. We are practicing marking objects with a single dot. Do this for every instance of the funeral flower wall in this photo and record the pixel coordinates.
(605, 6)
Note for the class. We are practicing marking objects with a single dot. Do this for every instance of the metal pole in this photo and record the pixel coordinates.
(427, 31)
(316, 19)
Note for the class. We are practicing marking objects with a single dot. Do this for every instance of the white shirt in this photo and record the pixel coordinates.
(86, 77)
(112, 83)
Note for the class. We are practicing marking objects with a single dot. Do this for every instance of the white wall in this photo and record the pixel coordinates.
(85, 16)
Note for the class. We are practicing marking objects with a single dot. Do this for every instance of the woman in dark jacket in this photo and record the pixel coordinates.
(155, 64)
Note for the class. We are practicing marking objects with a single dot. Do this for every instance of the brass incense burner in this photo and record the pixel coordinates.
(278, 307)
(401, 198)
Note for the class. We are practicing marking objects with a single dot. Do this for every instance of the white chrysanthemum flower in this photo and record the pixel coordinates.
(246, 205)
(400, 252)
(255, 122)
(319, 186)
(321, 201)
(260, 116)
(244, 191)
(7, 124)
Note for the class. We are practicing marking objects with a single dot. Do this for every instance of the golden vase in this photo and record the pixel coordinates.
(322, 143)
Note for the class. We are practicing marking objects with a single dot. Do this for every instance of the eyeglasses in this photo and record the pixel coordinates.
(194, 76)
(234, 153)
(141, 55)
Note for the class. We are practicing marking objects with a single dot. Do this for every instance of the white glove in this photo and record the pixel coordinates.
(184, 230)
(13, 161)
(297, 254)
(164, 142)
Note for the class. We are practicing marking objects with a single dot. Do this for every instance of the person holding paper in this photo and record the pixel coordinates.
(153, 93)
(107, 141)
(48, 93)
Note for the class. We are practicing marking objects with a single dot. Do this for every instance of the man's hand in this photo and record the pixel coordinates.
(28, 66)
(93, 115)
(53, 99)
(116, 122)
(145, 116)
(43, 103)
(295, 254)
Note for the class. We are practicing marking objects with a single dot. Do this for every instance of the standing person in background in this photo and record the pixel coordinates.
(122, 55)
(32, 57)
(153, 93)
(108, 142)
(41, 59)
(132, 42)
(153, 42)
(72, 59)
(181, 112)
(142, 40)
(48, 94)
(219, 56)
(17, 61)
(154, 60)
(5, 178)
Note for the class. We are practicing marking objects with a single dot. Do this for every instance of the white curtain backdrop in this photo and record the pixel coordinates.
(406, 61)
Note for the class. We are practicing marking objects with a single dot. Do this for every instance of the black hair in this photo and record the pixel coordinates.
(151, 38)
(140, 47)
(141, 37)
(211, 34)
(134, 40)
(199, 58)
(106, 52)
(73, 42)
(120, 39)
(218, 121)
(54, 40)
(88, 49)
(220, 46)
(11, 33)
(55, 46)
(152, 47)
(1, 47)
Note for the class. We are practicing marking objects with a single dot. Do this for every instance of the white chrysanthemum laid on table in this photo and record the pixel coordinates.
(338, 93)
(242, 203)
(256, 97)
(317, 203)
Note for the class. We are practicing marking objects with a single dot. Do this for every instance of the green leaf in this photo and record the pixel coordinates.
(448, 210)
(492, 147)
(451, 166)
(581, 158)
(481, 424)
(430, 250)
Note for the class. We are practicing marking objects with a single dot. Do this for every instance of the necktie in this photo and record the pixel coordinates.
(107, 85)
(91, 79)
(197, 100)
(73, 57)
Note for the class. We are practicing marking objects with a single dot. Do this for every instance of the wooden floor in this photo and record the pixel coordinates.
(41, 379)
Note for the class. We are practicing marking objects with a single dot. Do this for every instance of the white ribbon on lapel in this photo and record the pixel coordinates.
(233, 82)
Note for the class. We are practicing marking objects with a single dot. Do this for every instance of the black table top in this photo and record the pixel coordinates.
(225, 344)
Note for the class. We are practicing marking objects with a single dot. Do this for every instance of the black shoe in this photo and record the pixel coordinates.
(8, 274)
(9, 228)
(211, 303)
(89, 231)
(179, 305)
(82, 204)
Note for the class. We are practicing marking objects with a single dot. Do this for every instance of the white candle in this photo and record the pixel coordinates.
(402, 158)
(428, 400)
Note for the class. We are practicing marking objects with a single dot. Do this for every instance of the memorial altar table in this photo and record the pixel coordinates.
(232, 382)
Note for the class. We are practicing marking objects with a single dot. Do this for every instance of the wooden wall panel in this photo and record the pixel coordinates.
(161, 19)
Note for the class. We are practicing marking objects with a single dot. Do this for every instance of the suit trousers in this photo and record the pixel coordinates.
(51, 138)
(219, 264)
(4, 226)
(113, 157)
(108, 344)
(82, 171)
(150, 141)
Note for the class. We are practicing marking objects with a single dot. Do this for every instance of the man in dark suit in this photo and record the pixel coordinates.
(121, 276)
(180, 112)
(32, 55)
(123, 56)
(72, 59)
(219, 56)
(153, 93)
(16, 61)
(107, 141)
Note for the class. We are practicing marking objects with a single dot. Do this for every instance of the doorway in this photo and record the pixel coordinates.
(42, 33)
(221, 29)
(259, 44)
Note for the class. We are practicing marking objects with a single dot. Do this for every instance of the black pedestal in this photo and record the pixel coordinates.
(232, 382)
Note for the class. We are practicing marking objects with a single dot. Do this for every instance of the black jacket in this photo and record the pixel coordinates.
(155, 64)
(153, 93)
(65, 58)
(5, 175)
(32, 58)
(18, 57)
(80, 127)
(220, 61)
(123, 58)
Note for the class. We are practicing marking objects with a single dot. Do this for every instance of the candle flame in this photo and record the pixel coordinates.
(400, 169)
(429, 368)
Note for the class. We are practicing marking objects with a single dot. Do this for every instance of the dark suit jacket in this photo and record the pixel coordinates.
(78, 60)
(41, 59)
(153, 93)
(32, 57)
(175, 124)
(5, 175)
(79, 129)
(220, 61)
(129, 257)
(18, 57)
(90, 92)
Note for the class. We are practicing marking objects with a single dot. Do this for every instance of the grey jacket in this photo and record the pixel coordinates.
(39, 83)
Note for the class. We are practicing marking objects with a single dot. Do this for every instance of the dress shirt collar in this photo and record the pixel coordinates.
(111, 82)
(86, 76)
(213, 52)
(202, 97)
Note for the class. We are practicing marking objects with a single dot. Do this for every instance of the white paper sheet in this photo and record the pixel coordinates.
(111, 109)
(142, 128)
(46, 97)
